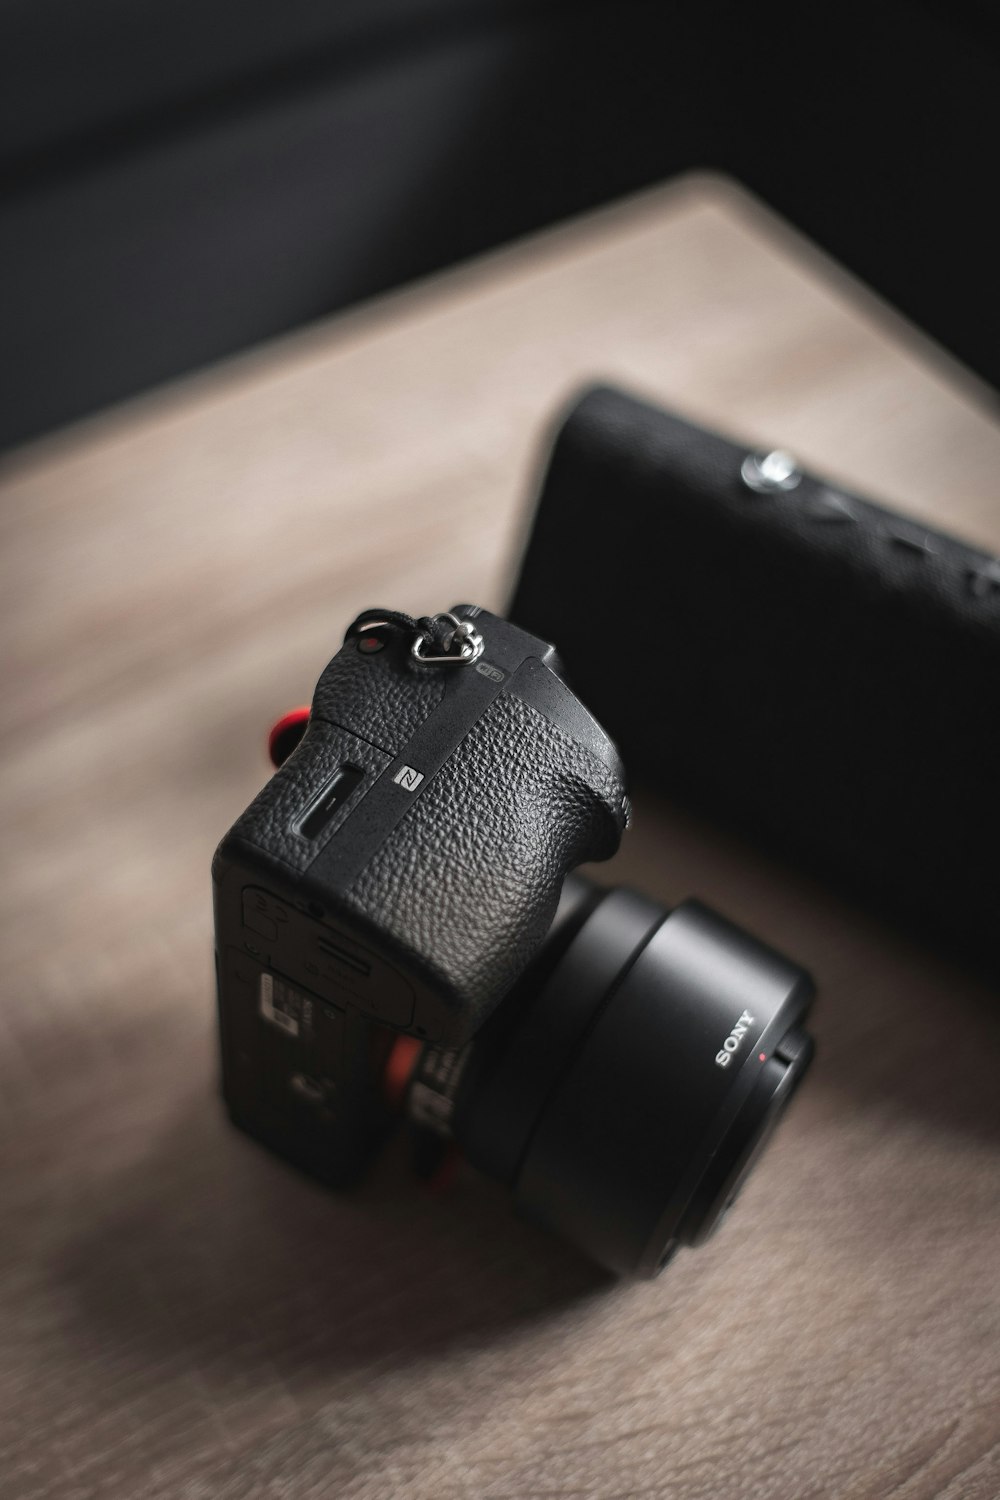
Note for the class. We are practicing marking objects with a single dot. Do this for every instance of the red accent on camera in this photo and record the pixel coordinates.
(286, 733)
(399, 1068)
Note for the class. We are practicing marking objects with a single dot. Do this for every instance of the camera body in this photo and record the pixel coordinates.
(398, 933)
(400, 870)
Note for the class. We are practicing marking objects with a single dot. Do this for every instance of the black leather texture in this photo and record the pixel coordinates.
(383, 697)
(816, 670)
(460, 893)
(268, 824)
(466, 887)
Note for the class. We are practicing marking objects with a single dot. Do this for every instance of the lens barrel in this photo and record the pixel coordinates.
(627, 1090)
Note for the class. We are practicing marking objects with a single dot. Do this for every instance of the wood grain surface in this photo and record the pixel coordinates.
(182, 1316)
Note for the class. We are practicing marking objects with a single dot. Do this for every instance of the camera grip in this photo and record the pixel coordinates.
(424, 826)
(466, 886)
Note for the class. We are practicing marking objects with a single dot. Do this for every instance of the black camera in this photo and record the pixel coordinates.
(398, 932)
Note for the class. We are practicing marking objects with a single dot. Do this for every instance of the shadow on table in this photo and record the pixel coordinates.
(218, 1253)
(212, 1253)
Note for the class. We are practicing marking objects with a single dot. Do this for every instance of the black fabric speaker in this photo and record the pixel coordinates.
(815, 670)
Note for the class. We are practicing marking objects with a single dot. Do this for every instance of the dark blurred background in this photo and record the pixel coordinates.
(182, 180)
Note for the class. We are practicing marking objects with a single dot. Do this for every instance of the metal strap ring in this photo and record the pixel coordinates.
(463, 644)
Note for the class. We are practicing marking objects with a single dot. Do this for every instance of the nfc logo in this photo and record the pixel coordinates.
(408, 778)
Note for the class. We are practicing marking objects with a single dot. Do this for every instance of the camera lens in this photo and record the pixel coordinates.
(625, 1090)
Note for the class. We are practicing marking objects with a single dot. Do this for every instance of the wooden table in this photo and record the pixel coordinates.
(183, 1316)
